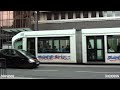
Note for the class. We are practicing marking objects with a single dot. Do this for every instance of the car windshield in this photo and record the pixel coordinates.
(26, 53)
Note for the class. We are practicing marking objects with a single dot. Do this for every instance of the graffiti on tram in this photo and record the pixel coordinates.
(54, 57)
(113, 58)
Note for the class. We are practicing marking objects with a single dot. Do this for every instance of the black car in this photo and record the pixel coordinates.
(19, 58)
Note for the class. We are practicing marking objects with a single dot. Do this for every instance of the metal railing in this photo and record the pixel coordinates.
(3, 68)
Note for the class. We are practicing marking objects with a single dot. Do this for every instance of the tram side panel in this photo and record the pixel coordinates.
(79, 46)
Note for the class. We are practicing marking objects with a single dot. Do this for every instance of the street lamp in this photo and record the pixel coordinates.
(36, 20)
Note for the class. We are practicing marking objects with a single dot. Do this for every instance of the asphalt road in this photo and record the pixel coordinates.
(53, 71)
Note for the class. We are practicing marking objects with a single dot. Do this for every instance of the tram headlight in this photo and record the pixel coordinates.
(31, 61)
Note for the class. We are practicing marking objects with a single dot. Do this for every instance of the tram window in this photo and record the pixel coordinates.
(113, 43)
(20, 47)
(18, 44)
(54, 45)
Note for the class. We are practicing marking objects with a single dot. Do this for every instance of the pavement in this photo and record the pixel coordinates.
(63, 71)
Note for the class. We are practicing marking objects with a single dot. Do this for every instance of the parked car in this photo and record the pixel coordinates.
(19, 58)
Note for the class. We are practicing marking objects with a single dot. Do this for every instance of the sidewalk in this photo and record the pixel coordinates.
(22, 78)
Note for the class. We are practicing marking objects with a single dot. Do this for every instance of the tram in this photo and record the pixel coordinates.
(94, 45)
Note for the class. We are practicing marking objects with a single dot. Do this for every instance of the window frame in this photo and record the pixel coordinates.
(45, 39)
(111, 37)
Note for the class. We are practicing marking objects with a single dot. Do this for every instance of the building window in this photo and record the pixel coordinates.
(113, 43)
(54, 44)
(117, 13)
(85, 14)
(22, 19)
(56, 15)
(49, 16)
(70, 15)
(5, 17)
(93, 13)
(109, 13)
(62, 15)
(77, 14)
(100, 13)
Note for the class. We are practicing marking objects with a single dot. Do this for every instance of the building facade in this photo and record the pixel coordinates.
(12, 22)
(49, 20)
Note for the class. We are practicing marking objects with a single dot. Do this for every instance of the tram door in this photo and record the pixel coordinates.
(31, 45)
(95, 48)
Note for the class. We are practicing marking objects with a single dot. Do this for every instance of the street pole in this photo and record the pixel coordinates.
(1, 41)
(36, 21)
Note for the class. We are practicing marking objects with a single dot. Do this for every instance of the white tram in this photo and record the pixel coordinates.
(96, 45)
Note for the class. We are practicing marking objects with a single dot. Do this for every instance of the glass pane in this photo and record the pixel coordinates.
(64, 46)
(62, 15)
(56, 16)
(113, 43)
(100, 14)
(93, 14)
(56, 45)
(117, 13)
(91, 44)
(62, 43)
(77, 14)
(31, 45)
(50, 43)
(99, 44)
(91, 54)
(40, 46)
(85, 14)
(70, 15)
(18, 44)
(10, 22)
(49, 16)
(99, 54)
(109, 13)
(53, 44)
